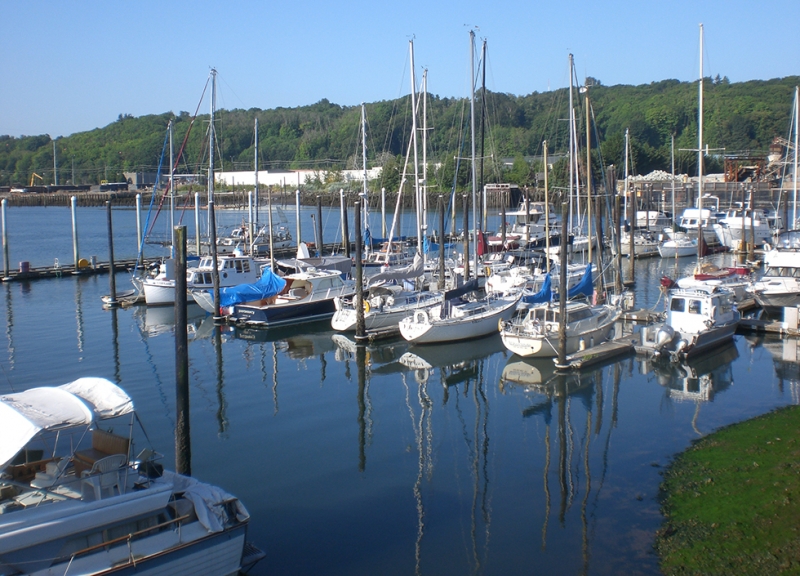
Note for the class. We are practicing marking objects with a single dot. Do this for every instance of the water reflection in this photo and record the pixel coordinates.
(697, 379)
(79, 316)
(546, 390)
(9, 324)
(154, 321)
(785, 353)
(115, 344)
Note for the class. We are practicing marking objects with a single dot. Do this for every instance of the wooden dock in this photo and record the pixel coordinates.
(748, 325)
(59, 271)
(608, 350)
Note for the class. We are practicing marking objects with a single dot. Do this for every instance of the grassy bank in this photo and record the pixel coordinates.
(732, 501)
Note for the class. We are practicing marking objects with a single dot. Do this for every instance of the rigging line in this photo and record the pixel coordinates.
(177, 160)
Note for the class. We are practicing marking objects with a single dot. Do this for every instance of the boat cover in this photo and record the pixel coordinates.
(413, 270)
(79, 403)
(543, 295)
(268, 285)
(585, 286)
(465, 288)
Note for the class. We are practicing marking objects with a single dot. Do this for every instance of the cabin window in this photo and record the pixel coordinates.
(695, 306)
(238, 266)
(678, 305)
(576, 315)
(246, 266)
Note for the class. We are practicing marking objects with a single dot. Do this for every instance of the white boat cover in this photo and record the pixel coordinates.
(79, 403)
(413, 270)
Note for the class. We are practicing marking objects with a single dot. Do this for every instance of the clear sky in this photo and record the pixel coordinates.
(72, 66)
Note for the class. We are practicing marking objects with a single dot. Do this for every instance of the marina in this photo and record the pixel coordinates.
(398, 457)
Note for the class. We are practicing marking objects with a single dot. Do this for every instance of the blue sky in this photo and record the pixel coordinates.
(71, 66)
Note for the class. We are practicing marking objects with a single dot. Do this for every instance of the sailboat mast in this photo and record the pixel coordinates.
(472, 138)
(171, 195)
(546, 212)
(700, 131)
(627, 147)
(571, 156)
(794, 176)
(483, 134)
(672, 157)
(255, 165)
(364, 189)
(425, 150)
(212, 222)
(414, 140)
(589, 176)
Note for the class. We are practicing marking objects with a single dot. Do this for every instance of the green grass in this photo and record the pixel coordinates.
(732, 501)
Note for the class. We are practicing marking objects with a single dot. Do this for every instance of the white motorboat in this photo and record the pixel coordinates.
(72, 501)
(535, 332)
(645, 243)
(748, 224)
(780, 285)
(307, 296)
(697, 319)
(735, 278)
(705, 217)
(678, 246)
(459, 316)
(385, 302)
(234, 269)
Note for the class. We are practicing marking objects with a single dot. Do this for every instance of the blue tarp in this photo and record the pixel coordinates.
(585, 286)
(543, 295)
(268, 285)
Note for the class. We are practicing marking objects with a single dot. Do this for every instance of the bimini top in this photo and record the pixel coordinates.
(79, 403)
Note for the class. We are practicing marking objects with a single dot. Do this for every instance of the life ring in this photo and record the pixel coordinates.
(548, 327)
(366, 306)
(487, 271)
(420, 317)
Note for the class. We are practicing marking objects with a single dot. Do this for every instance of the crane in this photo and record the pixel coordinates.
(34, 175)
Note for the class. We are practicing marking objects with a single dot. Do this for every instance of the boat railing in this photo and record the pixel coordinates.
(129, 538)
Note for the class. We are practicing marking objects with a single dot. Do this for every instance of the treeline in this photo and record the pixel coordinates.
(739, 118)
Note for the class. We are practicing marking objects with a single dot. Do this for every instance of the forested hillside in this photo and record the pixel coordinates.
(738, 117)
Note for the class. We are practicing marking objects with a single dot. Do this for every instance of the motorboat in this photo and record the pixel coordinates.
(752, 225)
(697, 319)
(694, 219)
(678, 246)
(460, 316)
(234, 269)
(73, 501)
(267, 286)
(307, 296)
(779, 287)
(645, 243)
(385, 302)
(735, 278)
(535, 331)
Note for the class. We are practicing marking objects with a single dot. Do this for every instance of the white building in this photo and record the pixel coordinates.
(291, 178)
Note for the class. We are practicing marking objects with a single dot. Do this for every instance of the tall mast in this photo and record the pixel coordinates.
(212, 137)
(700, 131)
(255, 165)
(672, 157)
(472, 138)
(171, 195)
(425, 150)
(365, 190)
(627, 146)
(55, 165)
(794, 176)
(483, 122)
(563, 250)
(589, 177)
(414, 139)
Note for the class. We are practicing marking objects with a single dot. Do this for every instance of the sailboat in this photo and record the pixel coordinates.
(462, 314)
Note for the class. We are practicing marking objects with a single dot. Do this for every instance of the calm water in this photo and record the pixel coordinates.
(396, 459)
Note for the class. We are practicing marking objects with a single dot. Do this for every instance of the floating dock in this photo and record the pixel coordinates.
(606, 351)
(59, 270)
